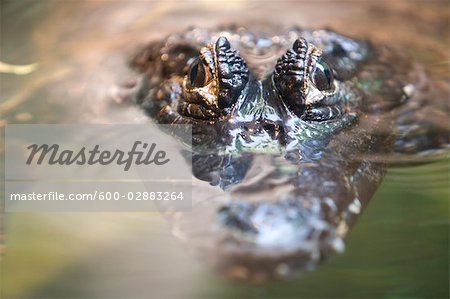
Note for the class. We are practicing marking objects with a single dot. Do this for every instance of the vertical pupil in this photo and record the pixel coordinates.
(193, 73)
(322, 77)
(197, 74)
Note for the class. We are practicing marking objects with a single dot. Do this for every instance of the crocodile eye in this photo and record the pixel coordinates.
(322, 75)
(214, 81)
(198, 74)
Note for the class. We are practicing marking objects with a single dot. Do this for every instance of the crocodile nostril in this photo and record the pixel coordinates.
(237, 217)
(268, 224)
(270, 127)
(273, 129)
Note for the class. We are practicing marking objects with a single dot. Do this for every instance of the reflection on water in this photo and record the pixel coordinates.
(398, 248)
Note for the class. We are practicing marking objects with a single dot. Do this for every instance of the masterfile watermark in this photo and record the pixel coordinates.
(96, 168)
(52, 154)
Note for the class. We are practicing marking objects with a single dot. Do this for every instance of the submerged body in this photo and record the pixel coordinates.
(286, 130)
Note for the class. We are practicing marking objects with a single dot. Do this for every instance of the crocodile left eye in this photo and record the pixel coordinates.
(322, 75)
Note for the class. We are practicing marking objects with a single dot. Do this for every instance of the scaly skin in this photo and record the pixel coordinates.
(301, 112)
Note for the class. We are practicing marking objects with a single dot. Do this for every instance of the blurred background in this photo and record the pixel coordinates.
(61, 62)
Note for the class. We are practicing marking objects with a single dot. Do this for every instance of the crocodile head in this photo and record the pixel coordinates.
(281, 129)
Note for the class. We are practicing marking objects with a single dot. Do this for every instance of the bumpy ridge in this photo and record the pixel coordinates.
(233, 73)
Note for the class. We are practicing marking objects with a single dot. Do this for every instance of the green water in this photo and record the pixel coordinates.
(399, 248)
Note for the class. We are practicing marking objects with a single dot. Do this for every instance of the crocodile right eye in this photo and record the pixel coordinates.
(199, 75)
(214, 82)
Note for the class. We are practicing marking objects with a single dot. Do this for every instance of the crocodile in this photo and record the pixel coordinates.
(287, 133)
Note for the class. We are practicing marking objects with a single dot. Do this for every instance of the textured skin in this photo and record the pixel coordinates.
(285, 144)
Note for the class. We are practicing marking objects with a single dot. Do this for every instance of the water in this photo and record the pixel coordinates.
(398, 248)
